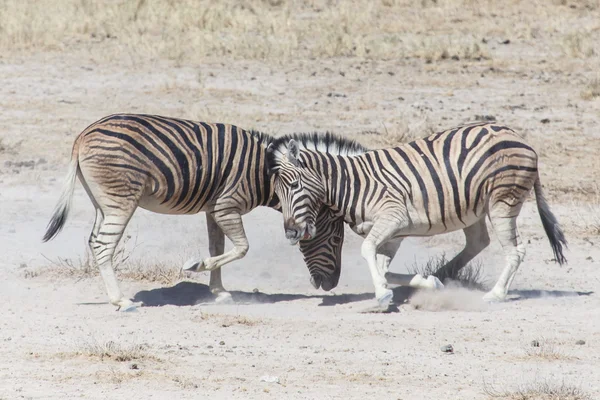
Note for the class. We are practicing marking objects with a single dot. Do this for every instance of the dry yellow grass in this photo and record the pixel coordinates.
(110, 350)
(282, 29)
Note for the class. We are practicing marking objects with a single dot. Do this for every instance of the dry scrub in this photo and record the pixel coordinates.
(111, 350)
(471, 276)
(543, 349)
(544, 390)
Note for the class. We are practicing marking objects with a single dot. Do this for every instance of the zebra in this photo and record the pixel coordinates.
(176, 166)
(445, 182)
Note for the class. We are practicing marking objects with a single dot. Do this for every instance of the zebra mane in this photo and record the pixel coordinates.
(263, 138)
(324, 143)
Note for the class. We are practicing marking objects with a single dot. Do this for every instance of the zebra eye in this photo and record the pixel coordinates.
(336, 240)
(294, 184)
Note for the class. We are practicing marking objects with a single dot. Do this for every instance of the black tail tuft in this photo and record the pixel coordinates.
(56, 223)
(551, 225)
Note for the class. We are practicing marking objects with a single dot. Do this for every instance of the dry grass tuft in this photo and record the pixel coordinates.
(539, 391)
(114, 351)
(226, 321)
(125, 267)
(543, 349)
(592, 90)
(471, 276)
(185, 383)
(579, 45)
(409, 129)
(439, 49)
(587, 220)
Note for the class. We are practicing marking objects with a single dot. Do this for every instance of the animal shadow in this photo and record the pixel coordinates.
(540, 294)
(193, 293)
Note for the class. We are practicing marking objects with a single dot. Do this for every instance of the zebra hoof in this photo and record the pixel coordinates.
(127, 307)
(494, 297)
(224, 298)
(386, 299)
(193, 265)
(434, 283)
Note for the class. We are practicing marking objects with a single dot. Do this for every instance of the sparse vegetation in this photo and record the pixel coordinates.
(579, 45)
(125, 267)
(592, 90)
(544, 390)
(226, 321)
(543, 349)
(410, 127)
(114, 351)
(587, 213)
(471, 276)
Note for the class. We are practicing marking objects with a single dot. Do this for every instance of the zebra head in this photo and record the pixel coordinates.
(300, 192)
(323, 253)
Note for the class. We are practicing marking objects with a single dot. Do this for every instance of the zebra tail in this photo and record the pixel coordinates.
(59, 217)
(550, 223)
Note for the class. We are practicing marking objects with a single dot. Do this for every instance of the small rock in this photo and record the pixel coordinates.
(580, 342)
(269, 379)
(209, 347)
(507, 41)
(222, 343)
(535, 343)
(134, 366)
(447, 348)
(545, 121)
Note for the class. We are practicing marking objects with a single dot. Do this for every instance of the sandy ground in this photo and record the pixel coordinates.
(317, 345)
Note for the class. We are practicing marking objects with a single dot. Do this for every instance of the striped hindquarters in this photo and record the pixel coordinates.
(172, 165)
(452, 177)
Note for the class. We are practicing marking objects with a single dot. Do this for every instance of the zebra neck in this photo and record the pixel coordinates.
(340, 187)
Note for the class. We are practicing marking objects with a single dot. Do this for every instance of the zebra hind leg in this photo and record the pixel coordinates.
(109, 233)
(508, 234)
(216, 247)
(477, 239)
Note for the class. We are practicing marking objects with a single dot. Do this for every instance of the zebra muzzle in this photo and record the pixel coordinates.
(294, 235)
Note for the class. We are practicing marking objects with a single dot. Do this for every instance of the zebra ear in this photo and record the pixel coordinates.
(293, 152)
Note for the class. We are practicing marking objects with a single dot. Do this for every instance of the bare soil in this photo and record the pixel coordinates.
(60, 339)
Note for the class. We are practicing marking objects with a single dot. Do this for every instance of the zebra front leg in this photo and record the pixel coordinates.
(377, 237)
(231, 225)
(386, 254)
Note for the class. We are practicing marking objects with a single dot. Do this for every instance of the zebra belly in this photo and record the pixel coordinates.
(154, 204)
(423, 225)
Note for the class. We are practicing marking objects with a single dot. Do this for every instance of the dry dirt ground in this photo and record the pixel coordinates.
(532, 66)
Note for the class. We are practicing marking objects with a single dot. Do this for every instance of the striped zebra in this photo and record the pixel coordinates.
(175, 166)
(448, 181)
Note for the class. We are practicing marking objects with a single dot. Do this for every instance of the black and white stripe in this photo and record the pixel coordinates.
(176, 166)
(448, 181)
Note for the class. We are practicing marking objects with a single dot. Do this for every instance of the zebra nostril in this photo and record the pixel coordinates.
(289, 224)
